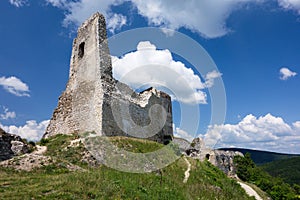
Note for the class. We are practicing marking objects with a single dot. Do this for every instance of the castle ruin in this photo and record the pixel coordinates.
(95, 102)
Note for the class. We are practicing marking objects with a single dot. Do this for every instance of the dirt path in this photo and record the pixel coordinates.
(187, 172)
(27, 162)
(250, 191)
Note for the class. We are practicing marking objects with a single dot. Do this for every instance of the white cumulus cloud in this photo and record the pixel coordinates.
(286, 73)
(116, 21)
(265, 133)
(290, 5)
(149, 67)
(18, 3)
(32, 130)
(78, 11)
(59, 3)
(210, 77)
(7, 114)
(179, 133)
(207, 18)
(297, 124)
(14, 86)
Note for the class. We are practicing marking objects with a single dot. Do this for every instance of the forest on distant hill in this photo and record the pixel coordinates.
(287, 169)
(262, 157)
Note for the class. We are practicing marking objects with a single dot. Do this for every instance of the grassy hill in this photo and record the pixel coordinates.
(287, 169)
(262, 157)
(56, 181)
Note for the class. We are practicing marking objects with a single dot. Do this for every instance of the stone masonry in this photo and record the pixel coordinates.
(95, 102)
(221, 159)
(11, 145)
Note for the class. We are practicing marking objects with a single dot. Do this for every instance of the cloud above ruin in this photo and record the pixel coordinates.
(150, 67)
(78, 11)
(207, 18)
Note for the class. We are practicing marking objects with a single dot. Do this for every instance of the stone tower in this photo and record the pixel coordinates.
(95, 102)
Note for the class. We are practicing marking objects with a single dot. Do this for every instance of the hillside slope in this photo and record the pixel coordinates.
(287, 169)
(57, 181)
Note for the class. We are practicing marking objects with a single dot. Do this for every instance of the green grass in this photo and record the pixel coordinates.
(56, 182)
(58, 147)
(135, 145)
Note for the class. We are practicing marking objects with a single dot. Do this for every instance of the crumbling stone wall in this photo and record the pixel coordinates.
(95, 102)
(11, 145)
(219, 158)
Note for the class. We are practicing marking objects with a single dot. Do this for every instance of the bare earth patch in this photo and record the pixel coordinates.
(28, 162)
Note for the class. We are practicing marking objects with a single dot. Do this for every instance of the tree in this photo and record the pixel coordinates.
(245, 166)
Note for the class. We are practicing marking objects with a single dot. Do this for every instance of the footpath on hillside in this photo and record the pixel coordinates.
(250, 191)
(187, 172)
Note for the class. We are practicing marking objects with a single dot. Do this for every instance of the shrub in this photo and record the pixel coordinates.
(32, 143)
(44, 141)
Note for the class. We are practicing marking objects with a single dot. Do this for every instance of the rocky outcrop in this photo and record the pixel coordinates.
(11, 145)
(221, 159)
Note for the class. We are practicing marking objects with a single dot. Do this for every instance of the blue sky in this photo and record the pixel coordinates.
(254, 44)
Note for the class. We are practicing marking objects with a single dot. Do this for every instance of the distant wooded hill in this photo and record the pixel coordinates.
(262, 157)
(287, 169)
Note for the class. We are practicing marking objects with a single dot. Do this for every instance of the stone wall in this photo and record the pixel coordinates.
(224, 161)
(221, 159)
(11, 145)
(95, 102)
(132, 114)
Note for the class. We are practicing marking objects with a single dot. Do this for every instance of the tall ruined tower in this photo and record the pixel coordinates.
(95, 102)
